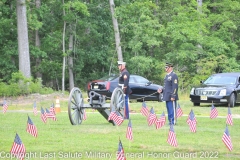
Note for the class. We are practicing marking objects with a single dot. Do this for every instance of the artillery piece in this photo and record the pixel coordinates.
(96, 101)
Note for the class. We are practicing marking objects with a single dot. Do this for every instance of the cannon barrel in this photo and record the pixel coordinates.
(94, 95)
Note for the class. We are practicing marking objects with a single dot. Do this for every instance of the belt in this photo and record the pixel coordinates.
(121, 85)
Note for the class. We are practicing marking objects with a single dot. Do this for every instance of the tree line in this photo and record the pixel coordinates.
(74, 40)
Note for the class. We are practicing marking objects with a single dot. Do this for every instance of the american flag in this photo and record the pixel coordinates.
(50, 115)
(152, 118)
(144, 109)
(229, 119)
(84, 115)
(179, 111)
(227, 139)
(192, 122)
(191, 112)
(214, 112)
(31, 128)
(43, 115)
(5, 106)
(161, 121)
(116, 118)
(52, 109)
(18, 148)
(129, 134)
(120, 152)
(35, 108)
(172, 137)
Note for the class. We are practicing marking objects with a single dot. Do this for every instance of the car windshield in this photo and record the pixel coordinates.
(138, 79)
(219, 79)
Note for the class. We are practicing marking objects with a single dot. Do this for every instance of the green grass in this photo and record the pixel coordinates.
(96, 139)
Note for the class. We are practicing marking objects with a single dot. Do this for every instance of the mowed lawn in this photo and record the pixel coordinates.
(96, 139)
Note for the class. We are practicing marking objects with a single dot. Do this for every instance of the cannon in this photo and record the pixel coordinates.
(96, 101)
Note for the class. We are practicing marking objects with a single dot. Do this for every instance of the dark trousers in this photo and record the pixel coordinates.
(171, 111)
(126, 107)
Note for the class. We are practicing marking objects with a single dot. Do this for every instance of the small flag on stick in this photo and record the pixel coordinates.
(144, 110)
(18, 148)
(227, 139)
(52, 109)
(31, 128)
(172, 140)
(84, 115)
(120, 152)
(50, 115)
(152, 118)
(229, 119)
(129, 134)
(35, 108)
(192, 122)
(214, 112)
(161, 121)
(115, 117)
(43, 115)
(179, 111)
(5, 106)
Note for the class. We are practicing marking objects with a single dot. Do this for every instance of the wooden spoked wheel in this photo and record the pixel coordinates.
(75, 106)
(118, 101)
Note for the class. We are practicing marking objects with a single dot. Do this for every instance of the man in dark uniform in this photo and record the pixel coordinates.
(124, 83)
(170, 92)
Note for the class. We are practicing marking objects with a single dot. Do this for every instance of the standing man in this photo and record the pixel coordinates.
(170, 92)
(124, 83)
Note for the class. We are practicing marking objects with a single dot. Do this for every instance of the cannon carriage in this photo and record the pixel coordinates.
(76, 106)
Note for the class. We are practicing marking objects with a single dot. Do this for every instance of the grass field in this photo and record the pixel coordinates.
(97, 139)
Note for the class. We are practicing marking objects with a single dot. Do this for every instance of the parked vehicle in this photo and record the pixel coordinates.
(218, 88)
(142, 88)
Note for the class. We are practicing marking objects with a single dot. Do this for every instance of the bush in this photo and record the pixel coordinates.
(19, 85)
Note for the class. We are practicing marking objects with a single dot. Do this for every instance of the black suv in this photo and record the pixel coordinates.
(218, 88)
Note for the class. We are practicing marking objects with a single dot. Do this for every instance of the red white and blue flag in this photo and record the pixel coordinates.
(144, 110)
(31, 128)
(43, 115)
(52, 109)
(35, 108)
(227, 139)
(50, 115)
(18, 148)
(115, 117)
(172, 140)
(213, 112)
(129, 134)
(161, 121)
(5, 106)
(152, 118)
(179, 111)
(120, 152)
(229, 119)
(192, 122)
(84, 115)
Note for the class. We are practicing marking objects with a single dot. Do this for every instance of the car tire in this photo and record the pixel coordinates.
(232, 100)
(196, 104)
(160, 97)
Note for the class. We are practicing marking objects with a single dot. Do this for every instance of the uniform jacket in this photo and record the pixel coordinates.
(170, 89)
(124, 79)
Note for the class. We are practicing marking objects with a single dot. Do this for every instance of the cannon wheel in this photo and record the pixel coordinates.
(75, 106)
(118, 101)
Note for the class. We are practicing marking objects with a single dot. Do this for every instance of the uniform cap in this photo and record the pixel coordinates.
(168, 65)
(121, 62)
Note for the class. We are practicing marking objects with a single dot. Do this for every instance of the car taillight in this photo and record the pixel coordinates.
(108, 85)
(89, 86)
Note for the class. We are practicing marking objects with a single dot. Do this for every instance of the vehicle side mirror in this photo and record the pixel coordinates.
(148, 83)
(201, 82)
